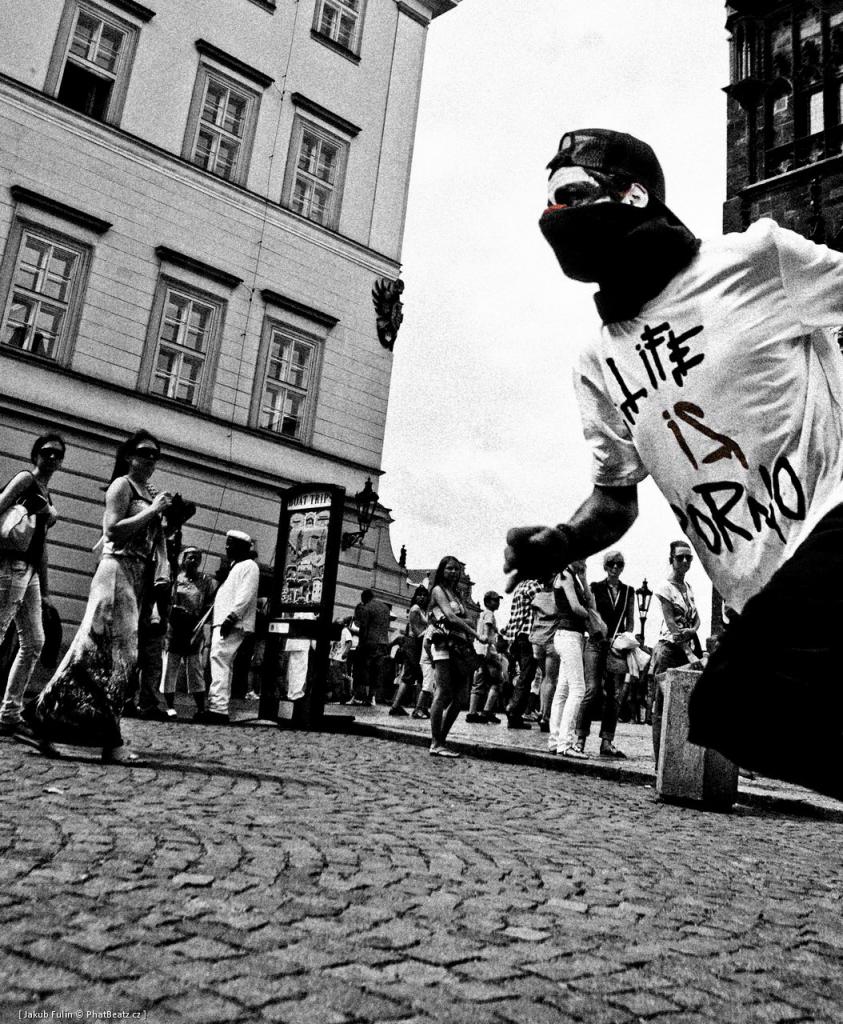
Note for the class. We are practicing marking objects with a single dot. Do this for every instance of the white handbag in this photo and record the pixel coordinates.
(16, 528)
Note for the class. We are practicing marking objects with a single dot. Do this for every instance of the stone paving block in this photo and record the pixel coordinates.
(526, 934)
(185, 880)
(643, 1004)
(199, 1008)
(519, 1011)
(775, 1013)
(257, 992)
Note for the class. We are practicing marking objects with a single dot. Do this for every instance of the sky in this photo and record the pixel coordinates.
(483, 431)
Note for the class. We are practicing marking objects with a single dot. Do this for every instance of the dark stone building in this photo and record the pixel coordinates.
(785, 117)
(785, 124)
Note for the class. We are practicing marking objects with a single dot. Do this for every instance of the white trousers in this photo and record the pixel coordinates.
(223, 652)
(570, 690)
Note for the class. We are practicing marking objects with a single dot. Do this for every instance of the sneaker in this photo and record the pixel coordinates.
(491, 719)
(23, 734)
(397, 712)
(251, 695)
(443, 752)
(418, 713)
(211, 718)
(517, 723)
(355, 702)
(475, 718)
(575, 754)
(117, 755)
(608, 749)
(171, 713)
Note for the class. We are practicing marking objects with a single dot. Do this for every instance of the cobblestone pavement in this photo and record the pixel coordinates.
(251, 874)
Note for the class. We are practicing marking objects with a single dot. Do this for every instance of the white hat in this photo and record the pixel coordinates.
(239, 535)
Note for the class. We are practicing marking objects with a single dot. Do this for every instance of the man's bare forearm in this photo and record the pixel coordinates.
(601, 520)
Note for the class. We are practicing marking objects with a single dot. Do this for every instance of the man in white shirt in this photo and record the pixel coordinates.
(716, 373)
(235, 607)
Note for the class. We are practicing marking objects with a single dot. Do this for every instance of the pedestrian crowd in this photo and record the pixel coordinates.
(151, 613)
(567, 657)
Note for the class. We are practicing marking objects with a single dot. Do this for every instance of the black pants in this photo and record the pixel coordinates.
(521, 653)
(771, 697)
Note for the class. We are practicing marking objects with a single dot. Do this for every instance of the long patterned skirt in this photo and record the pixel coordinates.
(81, 704)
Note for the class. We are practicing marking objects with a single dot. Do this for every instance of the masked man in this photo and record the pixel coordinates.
(715, 372)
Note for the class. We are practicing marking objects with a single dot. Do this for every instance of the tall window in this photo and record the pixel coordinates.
(186, 330)
(315, 176)
(42, 294)
(221, 129)
(221, 126)
(91, 63)
(815, 113)
(287, 384)
(339, 21)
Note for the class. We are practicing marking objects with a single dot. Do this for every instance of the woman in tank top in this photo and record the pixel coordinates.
(82, 703)
(23, 574)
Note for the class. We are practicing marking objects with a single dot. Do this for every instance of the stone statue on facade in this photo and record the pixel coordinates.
(386, 297)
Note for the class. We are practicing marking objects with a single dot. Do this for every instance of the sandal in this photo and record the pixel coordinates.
(444, 752)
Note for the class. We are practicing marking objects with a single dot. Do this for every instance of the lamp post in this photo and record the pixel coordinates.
(643, 595)
(365, 502)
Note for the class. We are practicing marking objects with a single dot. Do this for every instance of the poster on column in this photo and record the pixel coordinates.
(307, 545)
(306, 561)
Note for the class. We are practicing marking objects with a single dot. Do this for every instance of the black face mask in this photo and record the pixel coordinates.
(589, 240)
(631, 252)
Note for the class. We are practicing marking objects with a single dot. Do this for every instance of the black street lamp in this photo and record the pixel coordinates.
(365, 501)
(643, 595)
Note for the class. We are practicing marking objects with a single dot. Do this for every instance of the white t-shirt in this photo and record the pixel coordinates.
(487, 627)
(723, 390)
(684, 608)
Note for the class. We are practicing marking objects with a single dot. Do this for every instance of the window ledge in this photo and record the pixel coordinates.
(59, 209)
(132, 7)
(226, 60)
(180, 259)
(328, 116)
(294, 306)
(332, 44)
(267, 5)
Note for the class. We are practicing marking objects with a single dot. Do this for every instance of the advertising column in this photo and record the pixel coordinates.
(301, 607)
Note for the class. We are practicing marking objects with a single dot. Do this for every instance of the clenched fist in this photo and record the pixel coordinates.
(534, 553)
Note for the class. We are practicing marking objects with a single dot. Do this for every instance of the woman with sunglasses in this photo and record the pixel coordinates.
(23, 574)
(680, 623)
(82, 703)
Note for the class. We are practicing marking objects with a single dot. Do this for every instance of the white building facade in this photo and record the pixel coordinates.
(196, 198)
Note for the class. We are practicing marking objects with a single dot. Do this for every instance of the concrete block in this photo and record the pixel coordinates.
(687, 773)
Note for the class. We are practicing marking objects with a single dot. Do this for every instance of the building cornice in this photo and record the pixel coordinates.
(187, 173)
(180, 259)
(328, 116)
(135, 9)
(240, 67)
(796, 176)
(69, 213)
(153, 401)
(412, 14)
(317, 316)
